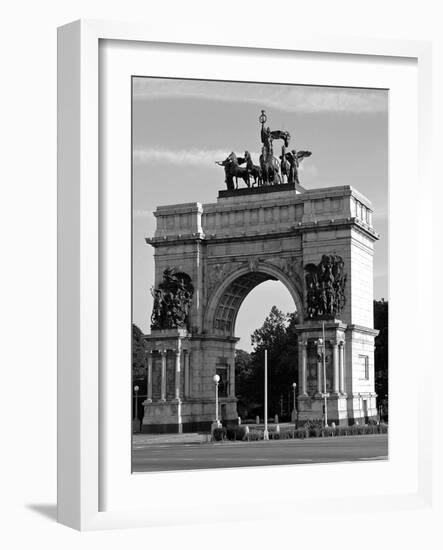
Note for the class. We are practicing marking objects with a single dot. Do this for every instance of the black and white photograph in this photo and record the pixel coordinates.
(260, 274)
(222, 249)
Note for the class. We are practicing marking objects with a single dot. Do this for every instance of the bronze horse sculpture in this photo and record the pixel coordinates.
(253, 169)
(233, 170)
(270, 169)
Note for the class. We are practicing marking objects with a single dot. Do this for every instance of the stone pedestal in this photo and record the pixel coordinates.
(181, 391)
(349, 353)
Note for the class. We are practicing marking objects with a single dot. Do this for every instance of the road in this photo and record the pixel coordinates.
(149, 457)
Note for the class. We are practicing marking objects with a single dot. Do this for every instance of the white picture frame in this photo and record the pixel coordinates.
(84, 470)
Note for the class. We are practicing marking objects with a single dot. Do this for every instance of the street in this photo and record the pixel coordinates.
(155, 457)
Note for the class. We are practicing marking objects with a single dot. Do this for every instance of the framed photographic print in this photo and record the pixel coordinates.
(231, 235)
(218, 260)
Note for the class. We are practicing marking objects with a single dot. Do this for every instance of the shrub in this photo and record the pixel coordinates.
(353, 430)
(314, 427)
(301, 433)
(231, 434)
(219, 434)
(327, 431)
(236, 433)
(282, 434)
(372, 429)
(382, 428)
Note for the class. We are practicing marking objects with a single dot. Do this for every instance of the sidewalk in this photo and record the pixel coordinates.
(152, 439)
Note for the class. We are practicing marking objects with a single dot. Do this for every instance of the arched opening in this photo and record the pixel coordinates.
(225, 302)
(256, 307)
(267, 309)
(252, 288)
(232, 298)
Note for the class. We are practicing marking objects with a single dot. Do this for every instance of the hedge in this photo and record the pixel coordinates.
(310, 429)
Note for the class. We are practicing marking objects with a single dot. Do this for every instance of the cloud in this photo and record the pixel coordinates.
(282, 97)
(381, 212)
(308, 169)
(180, 157)
(200, 158)
(143, 214)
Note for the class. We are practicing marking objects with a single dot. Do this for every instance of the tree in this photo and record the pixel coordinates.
(277, 335)
(243, 378)
(138, 352)
(138, 366)
(381, 310)
(272, 332)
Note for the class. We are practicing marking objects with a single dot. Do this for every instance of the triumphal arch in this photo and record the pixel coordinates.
(208, 257)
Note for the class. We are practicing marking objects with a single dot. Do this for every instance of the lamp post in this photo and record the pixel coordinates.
(294, 387)
(216, 379)
(136, 388)
(266, 433)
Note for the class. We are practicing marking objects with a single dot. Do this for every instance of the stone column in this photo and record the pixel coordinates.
(187, 373)
(163, 375)
(341, 367)
(302, 345)
(149, 378)
(177, 374)
(335, 368)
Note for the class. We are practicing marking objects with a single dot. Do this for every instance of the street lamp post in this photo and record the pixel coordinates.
(216, 379)
(266, 433)
(136, 388)
(294, 387)
(135, 420)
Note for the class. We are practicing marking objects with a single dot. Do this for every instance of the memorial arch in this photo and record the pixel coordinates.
(318, 243)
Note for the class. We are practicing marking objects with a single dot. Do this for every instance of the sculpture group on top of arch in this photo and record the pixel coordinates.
(270, 170)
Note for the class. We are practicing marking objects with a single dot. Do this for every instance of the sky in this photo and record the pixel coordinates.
(181, 127)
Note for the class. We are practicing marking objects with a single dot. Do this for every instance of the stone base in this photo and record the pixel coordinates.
(276, 188)
(186, 416)
(343, 410)
(358, 412)
(187, 427)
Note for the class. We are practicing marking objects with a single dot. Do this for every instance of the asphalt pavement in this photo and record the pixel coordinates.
(149, 456)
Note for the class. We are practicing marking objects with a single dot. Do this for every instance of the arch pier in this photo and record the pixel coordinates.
(319, 244)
